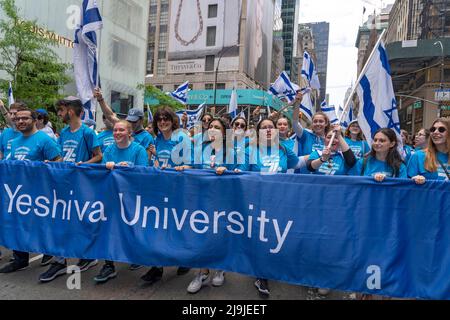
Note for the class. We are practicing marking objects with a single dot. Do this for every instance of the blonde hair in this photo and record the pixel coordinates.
(126, 124)
(431, 163)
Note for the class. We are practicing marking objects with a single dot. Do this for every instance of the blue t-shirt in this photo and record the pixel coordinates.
(179, 140)
(408, 153)
(270, 162)
(416, 166)
(8, 135)
(106, 139)
(308, 143)
(374, 166)
(133, 155)
(144, 139)
(335, 167)
(288, 143)
(204, 156)
(359, 148)
(38, 147)
(78, 146)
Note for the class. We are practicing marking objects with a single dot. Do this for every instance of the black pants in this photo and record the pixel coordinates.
(21, 257)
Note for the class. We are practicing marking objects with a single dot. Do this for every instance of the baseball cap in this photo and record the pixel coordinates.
(42, 111)
(135, 114)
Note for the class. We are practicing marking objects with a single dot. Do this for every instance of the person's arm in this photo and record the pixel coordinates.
(347, 152)
(97, 156)
(313, 164)
(107, 111)
(57, 159)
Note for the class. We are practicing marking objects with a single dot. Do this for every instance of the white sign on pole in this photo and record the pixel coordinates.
(442, 95)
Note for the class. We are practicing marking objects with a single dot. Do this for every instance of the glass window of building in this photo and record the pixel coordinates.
(209, 63)
(212, 11)
(221, 86)
(209, 86)
(121, 103)
(211, 36)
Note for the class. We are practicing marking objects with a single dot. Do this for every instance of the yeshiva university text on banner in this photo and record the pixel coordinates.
(356, 235)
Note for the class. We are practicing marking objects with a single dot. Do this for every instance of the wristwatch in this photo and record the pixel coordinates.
(321, 160)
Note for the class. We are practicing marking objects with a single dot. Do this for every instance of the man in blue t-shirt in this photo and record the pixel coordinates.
(31, 145)
(105, 137)
(78, 145)
(10, 133)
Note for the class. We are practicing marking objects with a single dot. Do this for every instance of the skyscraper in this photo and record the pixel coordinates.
(290, 16)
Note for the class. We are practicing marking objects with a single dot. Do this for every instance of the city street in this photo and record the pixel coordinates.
(24, 285)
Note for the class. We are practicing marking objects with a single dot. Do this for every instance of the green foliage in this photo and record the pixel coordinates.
(36, 72)
(164, 100)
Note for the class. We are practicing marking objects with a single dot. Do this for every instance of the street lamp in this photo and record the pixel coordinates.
(217, 69)
(442, 71)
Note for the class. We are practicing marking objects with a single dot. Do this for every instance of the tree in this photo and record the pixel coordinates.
(164, 99)
(36, 72)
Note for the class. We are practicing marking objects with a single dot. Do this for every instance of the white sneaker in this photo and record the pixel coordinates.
(218, 279)
(196, 284)
(323, 292)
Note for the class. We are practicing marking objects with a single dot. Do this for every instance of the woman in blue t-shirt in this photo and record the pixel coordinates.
(384, 160)
(434, 162)
(421, 139)
(355, 139)
(335, 161)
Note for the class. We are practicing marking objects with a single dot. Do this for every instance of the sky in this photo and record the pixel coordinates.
(344, 17)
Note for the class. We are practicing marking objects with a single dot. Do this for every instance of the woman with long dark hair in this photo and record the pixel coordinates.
(384, 160)
(434, 162)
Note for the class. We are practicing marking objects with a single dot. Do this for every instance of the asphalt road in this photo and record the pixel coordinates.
(24, 285)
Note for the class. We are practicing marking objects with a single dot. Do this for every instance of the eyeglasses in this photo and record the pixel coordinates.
(239, 125)
(17, 119)
(421, 135)
(440, 129)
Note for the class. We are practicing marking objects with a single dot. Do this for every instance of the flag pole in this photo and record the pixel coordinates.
(355, 87)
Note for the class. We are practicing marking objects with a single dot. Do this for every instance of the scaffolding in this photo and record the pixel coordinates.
(435, 19)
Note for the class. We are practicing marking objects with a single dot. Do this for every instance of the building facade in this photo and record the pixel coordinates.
(212, 44)
(122, 43)
(290, 15)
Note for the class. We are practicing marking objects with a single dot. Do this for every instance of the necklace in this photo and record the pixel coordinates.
(177, 23)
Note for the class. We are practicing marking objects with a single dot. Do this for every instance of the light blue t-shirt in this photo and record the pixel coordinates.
(308, 143)
(133, 155)
(288, 143)
(78, 146)
(144, 139)
(8, 135)
(164, 148)
(374, 166)
(359, 148)
(335, 167)
(271, 161)
(106, 139)
(416, 166)
(408, 153)
(38, 147)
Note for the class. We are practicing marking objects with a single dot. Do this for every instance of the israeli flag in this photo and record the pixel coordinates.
(283, 88)
(193, 115)
(306, 107)
(233, 107)
(149, 115)
(10, 95)
(181, 93)
(85, 56)
(330, 111)
(348, 118)
(376, 94)
(309, 71)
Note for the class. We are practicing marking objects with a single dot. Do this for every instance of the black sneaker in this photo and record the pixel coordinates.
(153, 275)
(108, 272)
(134, 267)
(262, 286)
(85, 264)
(13, 267)
(182, 271)
(46, 260)
(56, 269)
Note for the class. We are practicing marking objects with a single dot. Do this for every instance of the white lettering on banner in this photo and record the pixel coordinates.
(24, 204)
(374, 281)
(199, 221)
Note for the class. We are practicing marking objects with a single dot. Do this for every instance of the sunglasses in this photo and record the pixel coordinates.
(440, 129)
(239, 125)
(166, 119)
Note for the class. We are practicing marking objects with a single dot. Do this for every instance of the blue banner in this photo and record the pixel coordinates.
(346, 233)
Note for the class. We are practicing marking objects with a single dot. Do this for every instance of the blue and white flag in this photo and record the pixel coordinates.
(309, 71)
(10, 95)
(193, 115)
(149, 115)
(349, 117)
(181, 93)
(330, 111)
(283, 88)
(85, 56)
(376, 94)
(233, 107)
(306, 107)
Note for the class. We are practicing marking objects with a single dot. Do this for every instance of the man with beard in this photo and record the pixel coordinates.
(31, 145)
